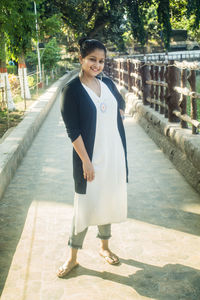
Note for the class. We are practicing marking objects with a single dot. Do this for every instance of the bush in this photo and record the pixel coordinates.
(31, 81)
(12, 69)
(14, 82)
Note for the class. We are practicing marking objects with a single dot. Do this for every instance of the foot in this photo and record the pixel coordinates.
(66, 268)
(110, 257)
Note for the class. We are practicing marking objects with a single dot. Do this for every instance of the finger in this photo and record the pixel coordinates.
(92, 177)
(89, 178)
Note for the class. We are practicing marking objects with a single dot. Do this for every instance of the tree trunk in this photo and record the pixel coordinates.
(4, 82)
(22, 72)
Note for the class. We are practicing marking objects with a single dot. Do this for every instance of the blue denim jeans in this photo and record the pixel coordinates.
(76, 240)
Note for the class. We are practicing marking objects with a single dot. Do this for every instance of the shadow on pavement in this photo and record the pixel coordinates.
(171, 282)
(167, 217)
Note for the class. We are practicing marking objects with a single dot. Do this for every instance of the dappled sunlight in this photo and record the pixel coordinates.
(62, 135)
(172, 246)
(157, 193)
(35, 243)
(191, 208)
(158, 244)
(51, 170)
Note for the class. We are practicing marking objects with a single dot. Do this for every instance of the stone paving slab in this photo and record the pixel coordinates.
(14, 146)
(158, 244)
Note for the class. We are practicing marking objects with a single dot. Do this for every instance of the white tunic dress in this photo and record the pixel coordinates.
(105, 200)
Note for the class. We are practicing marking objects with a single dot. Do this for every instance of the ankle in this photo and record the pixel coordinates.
(103, 248)
(72, 259)
(73, 255)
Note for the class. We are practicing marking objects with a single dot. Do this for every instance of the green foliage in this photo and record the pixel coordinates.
(96, 19)
(2, 47)
(136, 19)
(32, 59)
(184, 16)
(115, 22)
(50, 56)
(31, 81)
(164, 21)
(22, 27)
(109, 20)
(50, 26)
(193, 8)
(11, 69)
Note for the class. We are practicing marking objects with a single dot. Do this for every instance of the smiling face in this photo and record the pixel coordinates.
(93, 63)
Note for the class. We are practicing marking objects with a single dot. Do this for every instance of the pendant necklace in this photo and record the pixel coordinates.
(102, 105)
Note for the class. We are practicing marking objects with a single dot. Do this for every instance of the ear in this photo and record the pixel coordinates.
(80, 59)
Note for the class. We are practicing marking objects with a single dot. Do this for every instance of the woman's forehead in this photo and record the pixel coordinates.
(99, 53)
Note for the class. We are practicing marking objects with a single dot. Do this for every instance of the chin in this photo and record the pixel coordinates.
(96, 73)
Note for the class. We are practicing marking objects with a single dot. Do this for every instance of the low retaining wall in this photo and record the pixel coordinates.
(180, 145)
(15, 145)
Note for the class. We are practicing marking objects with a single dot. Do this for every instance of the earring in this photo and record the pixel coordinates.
(82, 72)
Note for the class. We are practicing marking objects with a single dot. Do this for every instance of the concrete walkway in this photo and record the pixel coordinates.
(159, 244)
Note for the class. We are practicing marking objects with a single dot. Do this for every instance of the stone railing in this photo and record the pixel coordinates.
(168, 87)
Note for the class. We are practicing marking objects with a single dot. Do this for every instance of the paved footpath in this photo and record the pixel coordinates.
(159, 244)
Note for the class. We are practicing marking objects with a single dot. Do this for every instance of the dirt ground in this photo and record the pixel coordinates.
(14, 117)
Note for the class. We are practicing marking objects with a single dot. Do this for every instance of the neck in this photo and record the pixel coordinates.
(86, 78)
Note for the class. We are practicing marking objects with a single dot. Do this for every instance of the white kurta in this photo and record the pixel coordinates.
(105, 200)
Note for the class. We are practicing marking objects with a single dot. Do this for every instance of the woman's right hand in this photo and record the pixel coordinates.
(88, 170)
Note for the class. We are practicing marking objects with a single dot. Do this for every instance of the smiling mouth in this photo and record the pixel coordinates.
(95, 70)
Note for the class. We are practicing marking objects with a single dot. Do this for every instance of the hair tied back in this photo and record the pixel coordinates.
(88, 45)
(82, 40)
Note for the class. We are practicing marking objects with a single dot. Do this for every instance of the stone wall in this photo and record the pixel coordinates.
(180, 145)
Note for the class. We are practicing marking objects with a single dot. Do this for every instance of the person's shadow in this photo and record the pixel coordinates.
(171, 282)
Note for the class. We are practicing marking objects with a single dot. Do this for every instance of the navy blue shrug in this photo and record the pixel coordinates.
(79, 115)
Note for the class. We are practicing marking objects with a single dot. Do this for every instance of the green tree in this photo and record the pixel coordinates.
(103, 19)
(21, 29)
(193, 9)
(49, 57)
(51, 54)
(184, 15)
(5, 13)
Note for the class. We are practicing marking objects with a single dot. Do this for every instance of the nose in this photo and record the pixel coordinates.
(97, 64)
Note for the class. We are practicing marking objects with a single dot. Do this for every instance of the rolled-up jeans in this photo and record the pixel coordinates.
(76, 240)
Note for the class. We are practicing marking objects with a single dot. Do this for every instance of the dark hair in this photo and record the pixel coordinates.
(88, 45)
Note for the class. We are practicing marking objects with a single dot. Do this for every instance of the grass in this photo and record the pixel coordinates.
(5, 123)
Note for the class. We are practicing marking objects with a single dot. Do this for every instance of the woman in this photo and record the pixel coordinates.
(92, 110)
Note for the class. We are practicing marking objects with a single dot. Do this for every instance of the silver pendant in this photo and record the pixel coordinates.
(103, 107)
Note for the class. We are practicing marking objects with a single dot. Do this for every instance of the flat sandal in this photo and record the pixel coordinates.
(109, 257)
(63, 271)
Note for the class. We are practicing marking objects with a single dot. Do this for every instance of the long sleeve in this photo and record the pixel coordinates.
(70, 113)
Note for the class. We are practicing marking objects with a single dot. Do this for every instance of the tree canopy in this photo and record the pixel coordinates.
(111, 19)
(115, 22)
